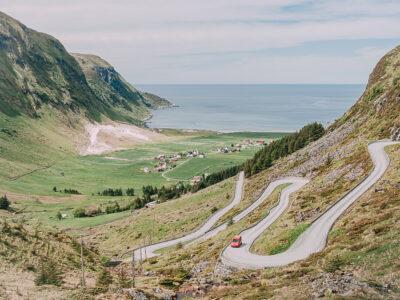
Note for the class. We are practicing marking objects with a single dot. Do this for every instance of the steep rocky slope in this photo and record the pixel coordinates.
(110, 87)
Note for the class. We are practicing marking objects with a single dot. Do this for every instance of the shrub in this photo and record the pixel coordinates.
(130, 192)
(123, 280)
(71, 191)
(4, 203)
(334, 264)
(79, 213)
(104, 279)
(114, 208)
(214, 209)
(48, 274)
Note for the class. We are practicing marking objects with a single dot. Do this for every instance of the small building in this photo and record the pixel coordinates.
(161, 167)
(260, 142)
(160, 157)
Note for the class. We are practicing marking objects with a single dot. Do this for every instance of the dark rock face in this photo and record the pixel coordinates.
(395, 134)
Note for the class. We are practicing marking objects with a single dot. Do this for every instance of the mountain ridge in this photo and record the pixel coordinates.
(37, 71)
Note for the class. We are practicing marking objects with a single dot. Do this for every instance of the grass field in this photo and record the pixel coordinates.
(92, 174)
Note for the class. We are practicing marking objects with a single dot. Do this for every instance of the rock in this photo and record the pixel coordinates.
(302, 216)
(135, 294)
(223, 271)
(199, 267)
(395, 133)
(339, 283)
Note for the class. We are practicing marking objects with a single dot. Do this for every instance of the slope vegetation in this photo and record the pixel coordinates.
(361, 256)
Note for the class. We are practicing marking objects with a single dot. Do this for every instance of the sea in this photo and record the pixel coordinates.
(257, 108)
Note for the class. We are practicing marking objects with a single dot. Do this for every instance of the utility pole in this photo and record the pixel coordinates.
(141, 260)
(145, 251)
(82, 265)
(133, 268)
(154, 222)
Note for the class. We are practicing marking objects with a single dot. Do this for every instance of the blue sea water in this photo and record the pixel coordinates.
(229, 108)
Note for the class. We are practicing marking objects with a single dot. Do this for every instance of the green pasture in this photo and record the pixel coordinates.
(92, 174)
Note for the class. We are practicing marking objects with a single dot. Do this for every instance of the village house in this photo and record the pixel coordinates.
(260, 142)
(161, 167)
(160, 157)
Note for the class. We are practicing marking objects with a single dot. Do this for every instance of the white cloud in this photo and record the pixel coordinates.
(161, 41)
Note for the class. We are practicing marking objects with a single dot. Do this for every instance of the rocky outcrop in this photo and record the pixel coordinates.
(395, 133)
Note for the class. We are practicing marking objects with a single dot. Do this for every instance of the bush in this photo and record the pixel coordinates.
(112, 192)
(334, 264)
(4, 203)
(104, 279)
(48, 274)
(123, 280)
(179, 246)
(114, 208)
(71, 191)
(214, 209)
(79, 213)
(130, 192)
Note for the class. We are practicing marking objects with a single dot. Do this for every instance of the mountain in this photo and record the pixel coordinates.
(111, 88)
(37, 72)
(376, 113)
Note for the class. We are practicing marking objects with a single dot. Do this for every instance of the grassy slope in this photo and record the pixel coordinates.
(23, 250)
(363, 246)
(163, 221)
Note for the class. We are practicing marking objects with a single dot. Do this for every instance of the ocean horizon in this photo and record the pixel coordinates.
(251, 107)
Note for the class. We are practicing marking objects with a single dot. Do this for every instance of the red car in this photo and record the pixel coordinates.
(236, 241)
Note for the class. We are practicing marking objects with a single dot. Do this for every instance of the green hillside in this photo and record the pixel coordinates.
(36, 72)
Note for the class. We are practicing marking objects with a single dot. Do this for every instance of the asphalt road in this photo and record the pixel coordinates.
(314, 238)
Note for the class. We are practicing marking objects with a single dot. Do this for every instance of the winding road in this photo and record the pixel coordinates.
(149, 251)
(310, 241)
(314, 238)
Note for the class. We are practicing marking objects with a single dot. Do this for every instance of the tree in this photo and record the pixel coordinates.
(54, 189)
(104, 279)
(4, 203)
(130, 192)
(59, 215)
(48, 274)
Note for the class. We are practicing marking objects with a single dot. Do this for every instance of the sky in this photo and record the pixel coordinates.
(223, 41)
